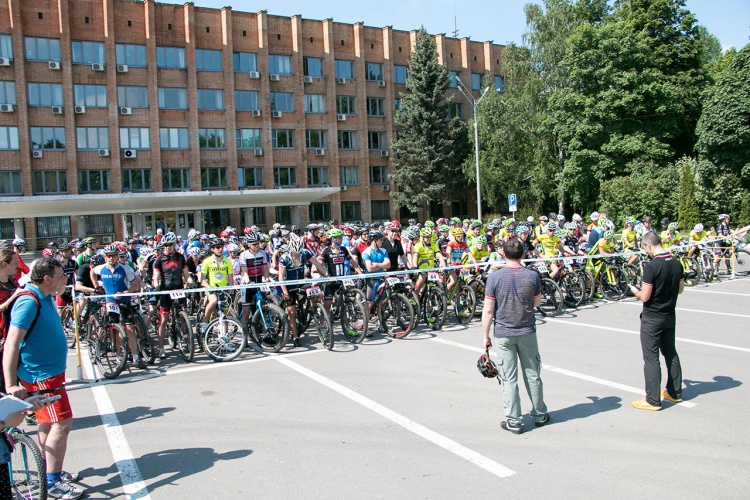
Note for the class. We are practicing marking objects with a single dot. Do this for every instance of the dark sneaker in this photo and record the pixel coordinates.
(30, 419)
(63, 490)
(543, 421)
(296, 342)
(511, 427)
(139, 363)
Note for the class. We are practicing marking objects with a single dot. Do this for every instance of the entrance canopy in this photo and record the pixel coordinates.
(91, 204)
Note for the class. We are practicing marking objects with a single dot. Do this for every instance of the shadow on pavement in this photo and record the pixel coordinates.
(694, 388)
(585, 410)
(128, 416)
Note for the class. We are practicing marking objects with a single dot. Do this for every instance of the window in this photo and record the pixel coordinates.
(379, 174)
(136, 180)
(476, 81)
(316, 139)
(211, 138)
(214, 178)
(259, 216)
(399, 74)
(135, 138)
(246, 100)
(279, 65)
(398, 105)
(207, 60)
(87, 52)
(284, 215)
(92, 138)
(282, 139)
(349, 175)
(346, 105)
(172, 98)
(42, 49)
(6, 46)
(10, 182)
(99, 224)
(284, 176)
(460, 209)
(375, 106)
(320, 211)
(344, 69)
(313, 66)
(7, 92)
(174, 138)
(7, 229)
(452, 82)
(455, 110)
(351, 211)
(215, 219)
(131, 55)
(49, 138)
(170, 57)
(8, 138)
(374, 72)
(315, 103)
(210, 99)
(347, 139)
(380, 209)
(250, 177)
(436, 209)
(90, 96)
(499, 83)
(93, 181)
(377, 141)
(175, 179)
(51, 227)
(317, 176)
(50, 182)
(244, 62)
(132, 97)
(282, 101)
(45, 94)
(248, 138)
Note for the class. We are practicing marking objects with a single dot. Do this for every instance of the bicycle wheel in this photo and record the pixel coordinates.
(464, 303)
(323, 325)
(707, 267)
(396, 315)
(28, 472)
(477, 285)
(692, 274)
(572, 289)
(68, 325)
(434, 307)
(111, 350)
(146, 345)
(270, 327)
(741, 262)
(91, 334)
(552, 298)
(410, 294)
(613, 283)
(304, 316)
(633, 274)
(224, 339)
(353, 317)
(184, 334)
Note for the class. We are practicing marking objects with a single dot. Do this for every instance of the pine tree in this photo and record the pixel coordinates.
(430, 146)
(688, 209)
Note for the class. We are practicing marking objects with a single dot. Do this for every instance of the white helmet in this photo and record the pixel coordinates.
(594, 216)
(295, 243)
(530, 219)
(577, 218)
(698, 228)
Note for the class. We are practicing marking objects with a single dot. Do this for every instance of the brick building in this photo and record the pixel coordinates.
(122, 116)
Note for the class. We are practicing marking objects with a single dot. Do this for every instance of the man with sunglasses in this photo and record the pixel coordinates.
(393, 247)
(70, 267)
(254, 269)
(216, 272)
(170, 273)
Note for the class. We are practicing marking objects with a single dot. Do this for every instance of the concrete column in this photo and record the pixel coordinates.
(19, 228)
(248, 218)
(81, 226)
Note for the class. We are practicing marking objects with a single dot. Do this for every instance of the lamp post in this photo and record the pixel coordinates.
(474, 103)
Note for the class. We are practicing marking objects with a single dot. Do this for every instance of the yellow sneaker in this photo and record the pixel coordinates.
(642, 404)
(665, 395)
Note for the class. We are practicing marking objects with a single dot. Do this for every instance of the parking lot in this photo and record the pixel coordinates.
(413, 418)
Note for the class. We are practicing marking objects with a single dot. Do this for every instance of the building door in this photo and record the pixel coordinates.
(185, 222)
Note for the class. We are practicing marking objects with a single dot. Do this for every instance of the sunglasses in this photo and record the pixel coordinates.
(217, 246)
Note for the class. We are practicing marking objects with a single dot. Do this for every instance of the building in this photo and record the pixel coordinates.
(122, 116)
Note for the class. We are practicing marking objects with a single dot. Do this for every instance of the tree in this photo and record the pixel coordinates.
(688, 208)
(430, 147)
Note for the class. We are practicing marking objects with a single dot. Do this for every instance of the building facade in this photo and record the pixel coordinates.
(122, 116)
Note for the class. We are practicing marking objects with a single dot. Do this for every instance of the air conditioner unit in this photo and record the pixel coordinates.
(54, 65)
(340, 80)
(381, 83)
(97, 67)
(104, 152)
(122, 68)
(256, 112)
(79, 110)
(308, 79)
(60, 241)
(106, 239)
(6, 108)
(254, 75)
(384, 153)
(126, 111)
(320, 152)
(258, 152)
(274, 77)
(276, 114)
(344, 188)
(341, 117)
(4, 61)
(129, 153)
(385, 187)
(57, 110)
(36, 154)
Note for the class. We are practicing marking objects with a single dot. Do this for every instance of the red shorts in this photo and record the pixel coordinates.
(58, 411)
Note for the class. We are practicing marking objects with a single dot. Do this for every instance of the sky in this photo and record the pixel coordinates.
(502, 21)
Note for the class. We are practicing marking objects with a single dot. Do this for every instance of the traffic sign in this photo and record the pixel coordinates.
(512, 205)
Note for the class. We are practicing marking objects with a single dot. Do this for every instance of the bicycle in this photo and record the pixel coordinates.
(552, 297)
(433, 304)
(393, 310)
(108, 343)
(463, 298)
(611, 280)
(268, 325)
(348, 305)
(179, 329)
(27, 468)
(224, 338)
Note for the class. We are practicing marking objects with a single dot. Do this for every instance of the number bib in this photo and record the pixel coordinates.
(313, 291)
(113, 308)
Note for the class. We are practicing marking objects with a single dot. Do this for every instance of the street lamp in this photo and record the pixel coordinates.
(474, 103)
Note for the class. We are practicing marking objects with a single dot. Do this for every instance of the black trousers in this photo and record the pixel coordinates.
(659, 335)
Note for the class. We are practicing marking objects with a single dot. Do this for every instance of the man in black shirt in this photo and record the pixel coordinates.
(393, 246)
(662, 282)
(170, 273)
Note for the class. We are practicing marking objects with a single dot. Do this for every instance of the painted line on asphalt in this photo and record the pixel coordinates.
(714, 291)
(569, 373)
(634, 332)
(444, 442)
(701, 311)
(130, 475)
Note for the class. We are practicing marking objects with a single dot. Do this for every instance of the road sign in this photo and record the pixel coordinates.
(512, 206)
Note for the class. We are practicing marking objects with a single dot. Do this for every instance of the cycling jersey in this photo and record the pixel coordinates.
(665, 239)
(170, 267)
(83, 275)
(311, 243)
(628, 238)
(477, 254)
(549, 245)
(457, 251)
(394, 250)
(254, 264)
(607, 245)
(698, 236)
(295, 272)
(216, 274)
(334, 260)
(115, 280)
(375, 256)
(425, 254)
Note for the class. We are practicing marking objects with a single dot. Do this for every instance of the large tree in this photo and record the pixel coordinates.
(430, 147)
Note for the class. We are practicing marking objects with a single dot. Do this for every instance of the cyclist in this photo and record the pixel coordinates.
(456, 250)
(83, 280)
(540, 229)
(69, 268)
(254, 269)
(630, 239)
(91, 247)
(311, 241)
(335, 257)
(375, 260)
(475, 231)
(216, 272)
(550, 245)
(724, 245)
(423, 256)
(478, 250)
(696, 236)
(170, 273)
(393, 246)
(570, 242)
(671, 236)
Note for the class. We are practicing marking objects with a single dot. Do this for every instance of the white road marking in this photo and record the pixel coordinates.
(714, 291)
(130, 475)
(701, 311)
(446, 443)
(569, 373)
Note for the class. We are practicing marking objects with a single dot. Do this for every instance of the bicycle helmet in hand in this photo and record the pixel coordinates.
(486, 366)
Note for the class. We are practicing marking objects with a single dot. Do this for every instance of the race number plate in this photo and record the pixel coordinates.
(580, 260)
(177, 294)
(238, 280)
(568, 261)
(313, 291)
(113, 308)
(433, 277)
(464, 272)
(392, 281)
(265, 288)
(541, 266)
(348, 283)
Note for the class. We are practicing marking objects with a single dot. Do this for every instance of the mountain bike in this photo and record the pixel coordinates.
(27, 468)
(349, 306)
(268, 324)
(224, 338)
(393, 310)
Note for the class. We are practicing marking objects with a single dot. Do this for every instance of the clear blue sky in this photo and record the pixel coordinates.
(499, 20)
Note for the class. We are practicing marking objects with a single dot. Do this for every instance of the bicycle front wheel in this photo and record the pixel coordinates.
(224, 339)
(464, 303)
(434, 307)
(28, 472)
(396, 315)
(552, 298)
(573, 290)
(692, 274)
(184, 334)
(111, 350)
(146, 344)
(353, 317)
(323, 325)
(270, 327)
(741, 262)
(68, 325)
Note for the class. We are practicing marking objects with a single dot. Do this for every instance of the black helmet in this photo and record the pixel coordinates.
(215, 242)
(376, 235)
(665, 220)
(486, 366)
(97, 260)
(64, 247)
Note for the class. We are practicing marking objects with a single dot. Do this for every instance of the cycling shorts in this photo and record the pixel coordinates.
(59, 410)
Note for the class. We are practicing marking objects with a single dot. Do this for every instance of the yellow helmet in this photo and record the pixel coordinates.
(457, 231)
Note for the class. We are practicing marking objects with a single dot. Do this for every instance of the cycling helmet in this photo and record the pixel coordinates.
(570, 225)
(698, 228)
(349, 231)
(444, 228)
(224, 234)
(146, 251)
(215, 242)
(233, 248)
(648, 218)
(333, 222)
(18, 242)
(457, 232)
(441, 221)
(552, 226)
(609, 225)
(480, 239)
(521, 228)
(80, 245)
(412, 221)
(295, 243)
(594, 216)
(465, 221)
(192, 252)
(96, 260)
(51, 244)
(169, 239)
(476, 223)
(543, 218)
(486, 366)
(111, 250)
(283, 249)
(673, 226)
(376, 235)
(608, 234)
(723, 217)
(158, 246)
(396, 224)
(665, 220)
(412, 234)
(334, 233)
(193, 234)
(507, 222)
(561, 218)
(429, 224)
(48, 252)
(203, 237)
(552, 216)
(251, 237)
(312, 227)
(630, 220)
(577, 218)
(425, 232)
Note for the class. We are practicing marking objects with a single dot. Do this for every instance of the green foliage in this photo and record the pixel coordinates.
(430, 147)
(744, 217)
(717, 194)
(688, 207)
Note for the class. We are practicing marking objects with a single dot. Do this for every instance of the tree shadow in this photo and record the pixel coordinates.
(128, 416)
(694, 388)
(584, 410)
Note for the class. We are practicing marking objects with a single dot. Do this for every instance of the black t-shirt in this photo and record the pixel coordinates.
(83, 275)
(170, 267)
(394, 251)
(69, 268)
(334, 260)
(663, 273)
